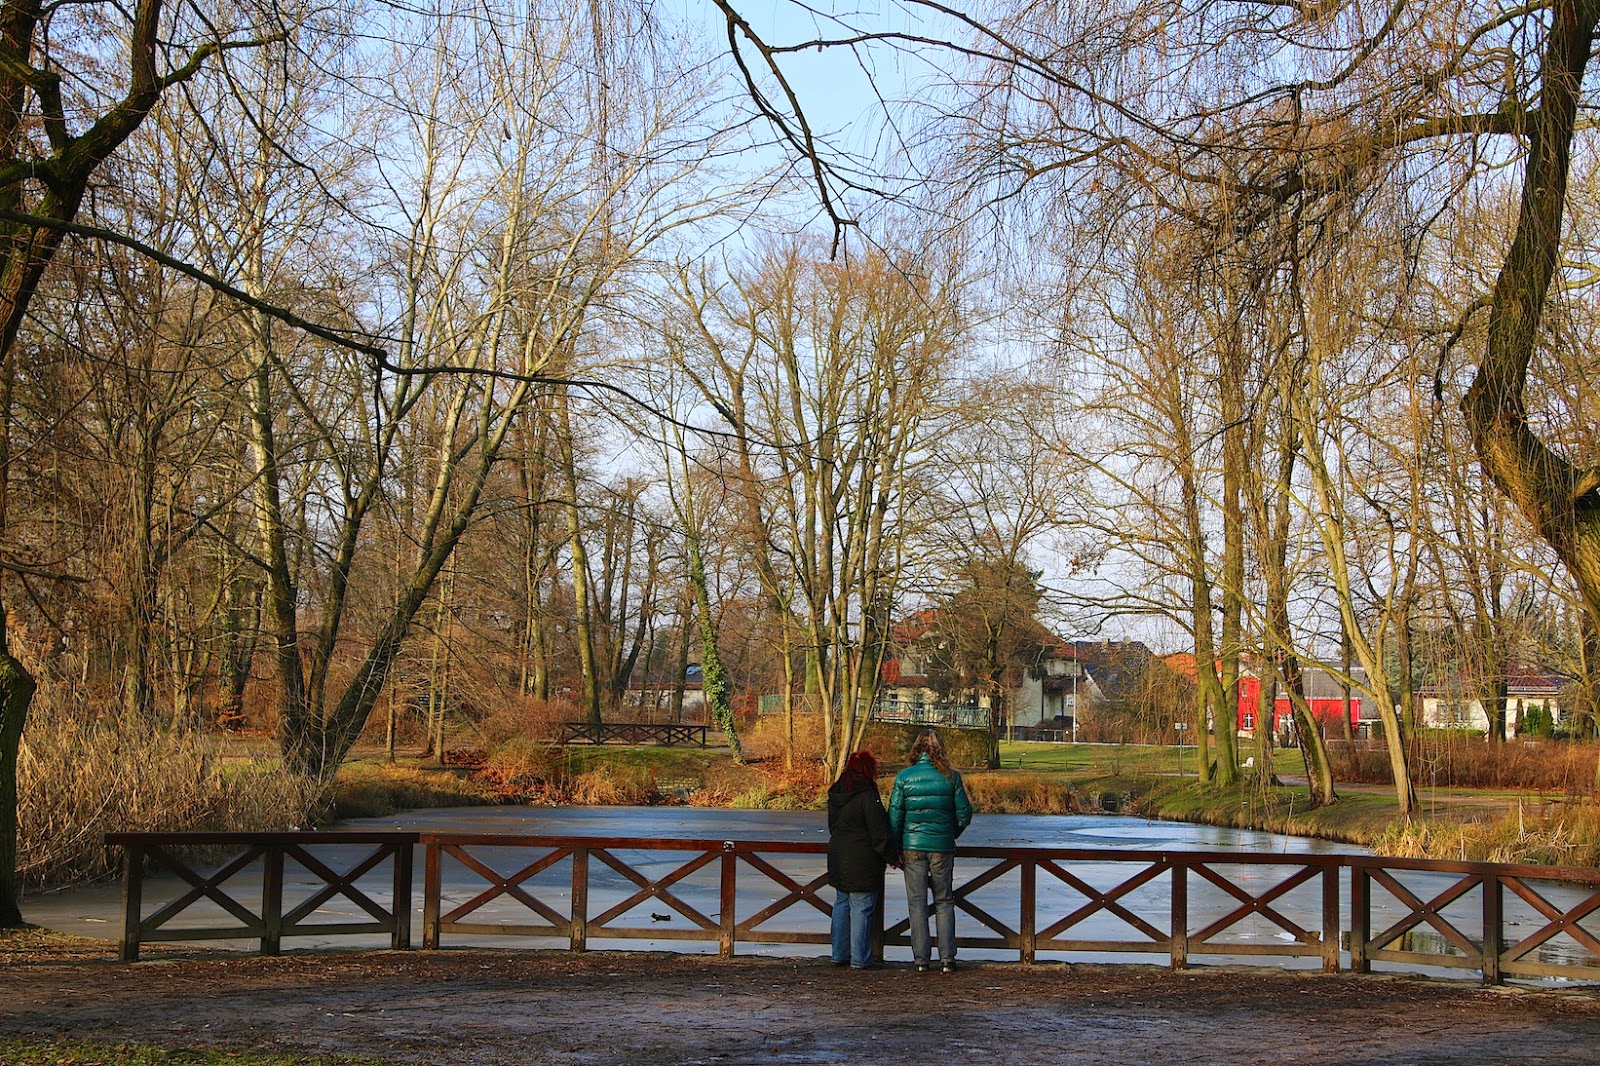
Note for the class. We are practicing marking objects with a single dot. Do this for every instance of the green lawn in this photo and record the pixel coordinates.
(1123, 759)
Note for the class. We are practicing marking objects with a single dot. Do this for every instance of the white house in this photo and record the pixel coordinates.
(1455, 705)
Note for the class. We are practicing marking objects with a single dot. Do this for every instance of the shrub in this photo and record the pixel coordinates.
(890, 743)
(766, 738)
(82, 776)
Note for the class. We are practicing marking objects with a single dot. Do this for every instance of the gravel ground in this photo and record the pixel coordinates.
(526, 1007)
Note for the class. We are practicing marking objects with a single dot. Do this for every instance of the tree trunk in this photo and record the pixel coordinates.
(713, 678)
(1560, 500)
(583, 622)
(16, 694)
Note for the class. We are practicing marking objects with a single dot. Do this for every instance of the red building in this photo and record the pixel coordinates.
(1323, 693)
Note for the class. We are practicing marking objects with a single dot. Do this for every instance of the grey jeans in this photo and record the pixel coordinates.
(934, 870)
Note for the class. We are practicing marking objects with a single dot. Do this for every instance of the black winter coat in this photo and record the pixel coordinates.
(858, 839)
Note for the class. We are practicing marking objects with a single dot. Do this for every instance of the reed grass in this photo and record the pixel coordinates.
(82, 776)
(1019, 793)
(1543, 835)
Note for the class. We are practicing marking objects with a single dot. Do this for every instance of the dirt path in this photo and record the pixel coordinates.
(494, 1007)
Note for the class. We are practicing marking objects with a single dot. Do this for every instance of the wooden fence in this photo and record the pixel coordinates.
(261, 915)
(1497, 920)
(663, 734)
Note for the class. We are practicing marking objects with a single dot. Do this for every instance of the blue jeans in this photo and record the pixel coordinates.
(852, 927)
(935, 870)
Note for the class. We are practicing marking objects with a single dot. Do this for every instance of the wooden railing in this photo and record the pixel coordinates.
(1499, 920)
(257, 906)
(665, 734)
(1478, 890)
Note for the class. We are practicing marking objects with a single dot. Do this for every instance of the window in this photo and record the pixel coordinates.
(1249, 720)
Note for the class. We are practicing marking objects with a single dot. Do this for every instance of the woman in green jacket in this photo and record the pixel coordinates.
(928, 809)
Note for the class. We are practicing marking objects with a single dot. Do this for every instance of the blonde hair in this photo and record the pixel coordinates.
(929, 743)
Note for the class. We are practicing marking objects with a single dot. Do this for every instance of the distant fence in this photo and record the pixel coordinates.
(664, 734)
(1497, 920)
(957, 715)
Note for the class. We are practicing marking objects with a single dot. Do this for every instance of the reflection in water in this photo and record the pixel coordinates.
(1556, 951)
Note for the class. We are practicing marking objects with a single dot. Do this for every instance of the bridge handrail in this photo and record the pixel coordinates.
(567, 913)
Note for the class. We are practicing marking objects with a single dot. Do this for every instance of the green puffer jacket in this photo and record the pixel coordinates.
(927, 810)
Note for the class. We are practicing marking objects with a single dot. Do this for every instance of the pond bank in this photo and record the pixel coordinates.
(1497, 826)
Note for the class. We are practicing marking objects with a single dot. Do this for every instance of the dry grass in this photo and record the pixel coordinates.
(536, 771)
(80, 777)
(1547, 835)
(373, 790)
(764, 740)
(1449, 760)
(1018, 793)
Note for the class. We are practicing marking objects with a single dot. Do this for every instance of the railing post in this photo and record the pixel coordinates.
(1027, 925)
(1360, 918)
(132, 901)
(579, 922)
(271, 899)
(404, 869)
(1493, 935)
(730, 886)
(1180, 914)
(1330, 918)
(432, 888)
(877, 928)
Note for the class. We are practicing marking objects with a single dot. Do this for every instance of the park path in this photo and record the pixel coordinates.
(502, 1007)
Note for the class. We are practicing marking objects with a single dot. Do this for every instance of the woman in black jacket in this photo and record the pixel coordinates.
(859, 848)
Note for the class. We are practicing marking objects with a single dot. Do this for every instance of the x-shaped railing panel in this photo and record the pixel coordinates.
(336, 885)
(507, 885)
(1255, 905)
(1098, 900)
(206, 887)
(649, 889)
(796, 894)
(1431, 912)
(1558, 921)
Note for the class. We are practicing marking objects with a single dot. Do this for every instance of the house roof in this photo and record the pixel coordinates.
(1520, 681)
(1116, 666)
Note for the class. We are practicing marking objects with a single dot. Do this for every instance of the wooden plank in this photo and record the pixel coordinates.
(1493, 926)
(1178, 937)
(1565, 971)
(580, 899)
(1360, 919)
(432, 889)
(1105, 947)
(727, 897)
(1422, 958)
(1026, 932)
(660, 932)
(507, 929)
(1330, 920)
(400, 909)
(1312, 950)
(132, 901)
(272, 899)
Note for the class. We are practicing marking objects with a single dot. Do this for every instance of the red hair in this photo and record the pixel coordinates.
(860, 769)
